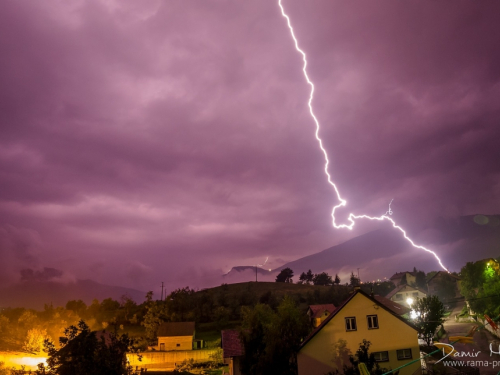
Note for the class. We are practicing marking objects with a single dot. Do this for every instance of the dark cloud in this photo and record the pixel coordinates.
(140, 141)
(47, 274)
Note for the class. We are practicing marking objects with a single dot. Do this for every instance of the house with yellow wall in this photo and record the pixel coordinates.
(175, 336)
(318, 313)
(394, 341)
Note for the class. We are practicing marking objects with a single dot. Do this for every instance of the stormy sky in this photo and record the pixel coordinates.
(168, 141)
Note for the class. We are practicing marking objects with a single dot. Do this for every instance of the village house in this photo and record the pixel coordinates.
(176, 344)
(396, 308)
(439, 279)
(175, 336)
(403, 292)
(394, 341)
(318, 313)
(232, 350)
(400, 277)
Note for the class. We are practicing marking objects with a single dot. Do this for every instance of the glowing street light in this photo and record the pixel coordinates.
(409, 301)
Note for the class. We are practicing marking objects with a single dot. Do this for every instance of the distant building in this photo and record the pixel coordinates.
(398, 277)
(175, 336)
(403, 292)
(396, 308)
(394, 341)
(435, 283)
(318, 313)
(232, 350)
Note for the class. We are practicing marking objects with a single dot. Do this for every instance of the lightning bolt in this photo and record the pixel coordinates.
(342, 202)
(261, 265)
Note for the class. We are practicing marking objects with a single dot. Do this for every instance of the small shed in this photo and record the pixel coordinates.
(232, 349)
(175, 336)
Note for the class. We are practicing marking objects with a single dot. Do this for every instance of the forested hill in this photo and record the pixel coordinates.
(35, 295)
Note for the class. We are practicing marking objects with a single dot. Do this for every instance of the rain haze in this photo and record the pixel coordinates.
(169, 141)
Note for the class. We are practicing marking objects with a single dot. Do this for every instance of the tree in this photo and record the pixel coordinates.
(220, 317)
(272, 339)
(285, 276)
(353, 281)
(337, 279)
(82, 353)
(34, 340)
(480, 286)
(255, 324)
(284, 336)
(309, 277)
(429, 313)
(363, 355)
(78, 306)
(156, 313)
(322, 279)
(303, 278)
(128, 305)
(420, 279)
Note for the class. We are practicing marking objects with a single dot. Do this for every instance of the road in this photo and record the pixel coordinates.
(480, 349)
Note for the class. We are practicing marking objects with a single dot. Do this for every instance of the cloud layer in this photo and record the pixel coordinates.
(169, 141)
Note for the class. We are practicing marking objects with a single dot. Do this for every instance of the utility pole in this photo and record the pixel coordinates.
(255, 273)
(162, 291)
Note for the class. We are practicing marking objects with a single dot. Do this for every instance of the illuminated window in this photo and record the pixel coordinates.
(372, 321)
(350, 323)
(381, 356)
(404, 354)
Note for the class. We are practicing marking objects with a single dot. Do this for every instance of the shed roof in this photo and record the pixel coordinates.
(231, 343)
(170, 329)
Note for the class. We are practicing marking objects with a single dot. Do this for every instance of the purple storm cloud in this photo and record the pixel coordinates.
(169, 140)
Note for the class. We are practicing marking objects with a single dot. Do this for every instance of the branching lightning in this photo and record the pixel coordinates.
(261, 265)
(342, 202)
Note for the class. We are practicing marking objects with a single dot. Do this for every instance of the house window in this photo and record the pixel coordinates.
(381, 356)
(399, 297)
(178, 345)
(372, 321)
(404, 354)
(415, 295)
(350, 323)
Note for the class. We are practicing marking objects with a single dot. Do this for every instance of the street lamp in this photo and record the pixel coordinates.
(409, 301)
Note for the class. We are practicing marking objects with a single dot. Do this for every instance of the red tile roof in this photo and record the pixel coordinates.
(317, 310)
(393, 306)
(231, 343)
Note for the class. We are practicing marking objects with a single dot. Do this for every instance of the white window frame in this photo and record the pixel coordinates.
(402, 354)
(379, 356)
(370, 320)
(349, 323)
